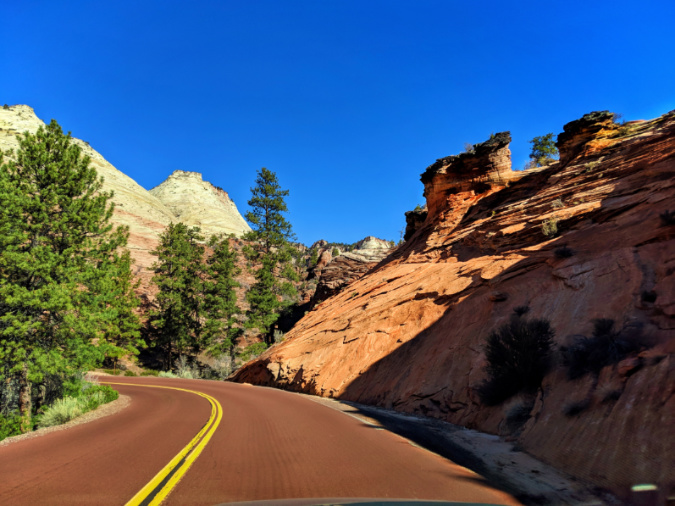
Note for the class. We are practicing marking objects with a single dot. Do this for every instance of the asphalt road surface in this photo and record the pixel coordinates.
(233, 443)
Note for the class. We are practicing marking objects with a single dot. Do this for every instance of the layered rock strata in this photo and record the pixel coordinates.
(144, 214)
(349, 266)
(186, 196)
(196, 202)
(410, 334)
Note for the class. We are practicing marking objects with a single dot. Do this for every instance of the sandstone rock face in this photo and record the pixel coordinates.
(585, 134)
(196, 202)
(144, 214)
(351, 265)
(410, 334)
(460, 178)
(372, 249)
(413, 221)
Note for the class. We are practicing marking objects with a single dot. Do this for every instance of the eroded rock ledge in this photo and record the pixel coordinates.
(453, 183)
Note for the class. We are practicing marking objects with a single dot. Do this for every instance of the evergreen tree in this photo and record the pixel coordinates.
(271, 247)
(220, 298)
(543, 150)
(179, 272)
(57, 250)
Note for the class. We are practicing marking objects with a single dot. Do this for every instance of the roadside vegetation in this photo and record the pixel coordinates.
(66, 287)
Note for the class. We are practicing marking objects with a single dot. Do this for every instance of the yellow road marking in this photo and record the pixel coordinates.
(160, 486)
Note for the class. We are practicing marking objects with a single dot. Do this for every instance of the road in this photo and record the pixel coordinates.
(269, 444)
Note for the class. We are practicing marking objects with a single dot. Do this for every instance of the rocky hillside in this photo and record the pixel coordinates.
(337, 273)
(591, 236)
(198, 203)
(182, 197)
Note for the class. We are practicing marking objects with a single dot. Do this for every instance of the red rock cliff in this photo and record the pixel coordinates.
(410, 334)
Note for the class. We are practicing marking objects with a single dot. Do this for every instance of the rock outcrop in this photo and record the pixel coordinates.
(144, 213)
(589, 237)
(455, 182)
(586, 134)
(196, 202)
(351, 265)
(413, 221)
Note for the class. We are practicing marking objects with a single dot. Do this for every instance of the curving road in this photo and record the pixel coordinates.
(270, 444)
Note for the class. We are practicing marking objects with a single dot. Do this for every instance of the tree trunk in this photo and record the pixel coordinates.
(25, 407)
(168, 357)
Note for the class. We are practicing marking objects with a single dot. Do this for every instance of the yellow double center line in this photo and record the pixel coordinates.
(165, 480)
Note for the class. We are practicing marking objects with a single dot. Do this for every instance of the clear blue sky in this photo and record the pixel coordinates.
(348, 101)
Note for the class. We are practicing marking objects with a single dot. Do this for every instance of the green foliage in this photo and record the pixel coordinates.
(549, 227)
(176, 324)
(67, 408)
(10, 425)
(272, 250)
(65, 283)
(518, 356)
(314, 258)
(335, 252)
(150, 372)
(266, 216)
(220, 298)
(129, 373)
(252, 351)
(543, 150)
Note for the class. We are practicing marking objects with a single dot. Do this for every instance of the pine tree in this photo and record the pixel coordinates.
(55, 237)
(543, 150)
(220, 298)
(179, 272)
(271, 236)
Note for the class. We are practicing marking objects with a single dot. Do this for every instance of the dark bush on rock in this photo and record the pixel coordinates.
(606, 346)
(518, 356)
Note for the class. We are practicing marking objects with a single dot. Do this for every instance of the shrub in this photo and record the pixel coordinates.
(518, 356)
(62, 411)
(557, 204)
(549, 227)
(10, 425)
(150, 372)
(130, 373)
(563, 252)
(114, 372)
(222, 367)
(606, 346)
(252, 351)
(184, 370)
(5, 106)
(167, 374)
(667, 218)
(591, 165)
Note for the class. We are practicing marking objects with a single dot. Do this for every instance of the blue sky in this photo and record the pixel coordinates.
(348, 101)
